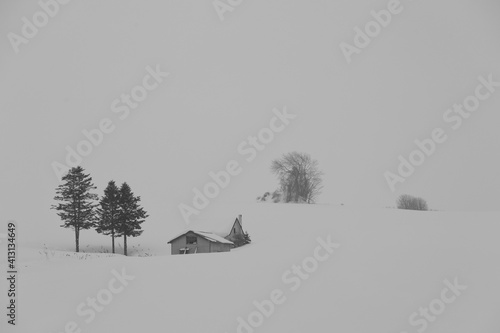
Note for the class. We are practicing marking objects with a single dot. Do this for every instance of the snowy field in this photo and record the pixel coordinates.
(384, 271)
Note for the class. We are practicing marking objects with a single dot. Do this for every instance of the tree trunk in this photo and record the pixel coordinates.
(125, 245)
(77, 227)
(77, 239)
(112, 230)
(113, 240)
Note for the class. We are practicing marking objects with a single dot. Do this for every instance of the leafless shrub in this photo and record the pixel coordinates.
(406, 201)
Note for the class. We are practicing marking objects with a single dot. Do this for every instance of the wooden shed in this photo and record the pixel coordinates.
(221, 239)
(194, 241)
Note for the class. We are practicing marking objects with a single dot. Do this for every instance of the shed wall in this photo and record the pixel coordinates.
(235, 231)
(202, 246)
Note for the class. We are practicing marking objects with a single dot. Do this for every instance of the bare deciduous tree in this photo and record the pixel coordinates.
(406, 201)
(299, 176)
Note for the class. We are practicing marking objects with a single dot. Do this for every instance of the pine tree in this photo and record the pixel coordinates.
(247, 238)
(77, 207)
(109, 212)
(132, 215)
(242, 239)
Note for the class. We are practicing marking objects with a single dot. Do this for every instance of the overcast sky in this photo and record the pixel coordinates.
(225, 79)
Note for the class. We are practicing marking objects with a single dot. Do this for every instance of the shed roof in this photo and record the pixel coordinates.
(217, 226)
(207, 235)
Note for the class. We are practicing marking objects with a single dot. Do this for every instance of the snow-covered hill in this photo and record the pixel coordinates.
(381, 269)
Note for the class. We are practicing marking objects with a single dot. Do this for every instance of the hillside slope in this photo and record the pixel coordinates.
(389, 264)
